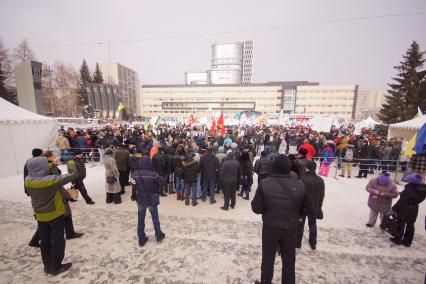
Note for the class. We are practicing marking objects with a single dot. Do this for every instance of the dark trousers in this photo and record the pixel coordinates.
(209, 184)
(406, 232)
(69, 230)
(285, 239)
(52, 245)
(312, 223)
(229, 192)
(260, 177)
(79, 185)
(110, 197)
(123, 179)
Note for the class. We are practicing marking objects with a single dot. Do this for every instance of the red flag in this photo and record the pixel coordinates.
(191, 119)
(213, 127)
(221, 123)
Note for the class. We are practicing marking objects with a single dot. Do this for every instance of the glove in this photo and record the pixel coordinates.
(320, 215)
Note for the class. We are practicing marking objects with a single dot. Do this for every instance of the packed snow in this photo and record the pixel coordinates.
(204, 244)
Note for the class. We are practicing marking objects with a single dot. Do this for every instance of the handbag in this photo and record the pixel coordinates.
(73, 192)
(390, 224)
(111, 179)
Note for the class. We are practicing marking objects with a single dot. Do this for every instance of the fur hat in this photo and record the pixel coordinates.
(303, 152)
(414, 178)
(384, 178)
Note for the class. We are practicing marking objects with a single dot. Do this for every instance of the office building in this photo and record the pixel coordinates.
(128, 85)
(339, 100)
(368, 104)
(247, 75)
(231, 64)
(104, 99)
(178, 101)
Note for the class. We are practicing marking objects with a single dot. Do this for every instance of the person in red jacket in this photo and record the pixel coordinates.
(309, 148)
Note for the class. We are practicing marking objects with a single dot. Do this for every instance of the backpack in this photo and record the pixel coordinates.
(349, 155)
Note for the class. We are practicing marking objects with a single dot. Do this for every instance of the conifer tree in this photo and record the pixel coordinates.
(408, 92)
(83, 79)
(97, 75)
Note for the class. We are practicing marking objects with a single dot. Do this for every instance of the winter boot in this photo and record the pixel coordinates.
(171, 191)
(247, 197)
(178, 195)
(241, 192)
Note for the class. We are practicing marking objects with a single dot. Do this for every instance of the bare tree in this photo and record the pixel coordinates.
(23, 52)
(6, 64)
(65, 84)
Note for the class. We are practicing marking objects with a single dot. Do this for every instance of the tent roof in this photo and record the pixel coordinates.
(11, 112)
(371, 120)
(415, 123)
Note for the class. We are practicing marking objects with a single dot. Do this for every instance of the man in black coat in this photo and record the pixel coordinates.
(314, 186)
(190, 178)
(230, 175)
(159, 165)
(280, 199)
(209, 165)
(262, 167)
(76, 164)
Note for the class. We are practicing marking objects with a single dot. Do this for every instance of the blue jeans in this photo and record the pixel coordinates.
(199, 190)
(209, 184)
(141, 222)
(179, 185)
(191, 188)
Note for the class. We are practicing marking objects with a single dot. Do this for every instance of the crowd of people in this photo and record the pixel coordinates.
(196, 165)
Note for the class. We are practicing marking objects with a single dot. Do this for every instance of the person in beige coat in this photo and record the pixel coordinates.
(63, 144)
(112, 186)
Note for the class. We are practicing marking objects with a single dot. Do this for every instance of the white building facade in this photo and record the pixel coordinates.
(128, 85)
(368, 104)
(177, 101)
(327, 100)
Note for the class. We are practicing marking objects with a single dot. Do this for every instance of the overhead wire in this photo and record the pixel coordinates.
(199, 35)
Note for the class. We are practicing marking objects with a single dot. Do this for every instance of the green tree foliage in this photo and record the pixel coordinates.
(83, 79)
(97, 75)
(408, 92)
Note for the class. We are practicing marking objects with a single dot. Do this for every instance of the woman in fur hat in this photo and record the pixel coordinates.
(382, 190)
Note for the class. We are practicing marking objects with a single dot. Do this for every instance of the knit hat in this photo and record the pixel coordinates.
(281, 165)
(231, 155)
(414, 178)
(384, 178)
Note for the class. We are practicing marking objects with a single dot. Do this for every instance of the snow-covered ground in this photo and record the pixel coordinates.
(205, 244)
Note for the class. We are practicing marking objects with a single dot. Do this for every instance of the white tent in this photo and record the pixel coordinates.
(22, 131)
(366, 123)
(321, 123)
(407, 128)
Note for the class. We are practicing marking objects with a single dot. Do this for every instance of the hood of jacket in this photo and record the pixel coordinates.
(188, 162)
(418, 187)
(38, 167)
(145, 163)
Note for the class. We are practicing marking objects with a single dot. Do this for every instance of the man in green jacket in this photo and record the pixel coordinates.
(49, 210)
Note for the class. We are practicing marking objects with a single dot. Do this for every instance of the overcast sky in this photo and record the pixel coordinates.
(345, 52)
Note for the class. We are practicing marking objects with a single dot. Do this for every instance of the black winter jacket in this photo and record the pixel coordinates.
(407, 206)
(315, 190)
(190, 171)
(148, 183)
(263, 166)
(209, 165)
(281, 200)
(230, 171)
(159, 163)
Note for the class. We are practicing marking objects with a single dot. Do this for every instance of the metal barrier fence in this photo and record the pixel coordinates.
(396, 167)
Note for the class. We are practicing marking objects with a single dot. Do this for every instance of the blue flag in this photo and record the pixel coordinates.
(420, 140)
